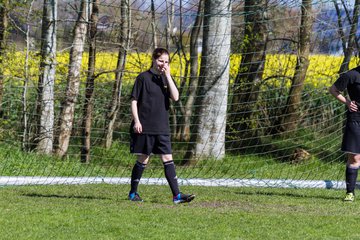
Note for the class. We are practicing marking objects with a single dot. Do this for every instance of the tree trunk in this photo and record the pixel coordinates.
(210, 118)
(116, 94)
(348, 51)
(242, 121)
(291, 113)
(194, 79)
(340, 26)
(153, 24)
(73, 81)
(178, 40)
(45, 99)
(25, 135)
(170, 21)
(4, 8)
(90, 82)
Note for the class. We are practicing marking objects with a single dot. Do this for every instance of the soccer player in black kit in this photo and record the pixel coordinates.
(150, 130)
(350, 81)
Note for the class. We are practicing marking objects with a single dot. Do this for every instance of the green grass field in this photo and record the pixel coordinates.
(103, 212)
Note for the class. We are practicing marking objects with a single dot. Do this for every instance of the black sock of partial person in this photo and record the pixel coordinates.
(136, 174)
(170, 174)
(351, 176)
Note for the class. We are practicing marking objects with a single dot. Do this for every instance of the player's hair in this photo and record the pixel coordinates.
(158, 52)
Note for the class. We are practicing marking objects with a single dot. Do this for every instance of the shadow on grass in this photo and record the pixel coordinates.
(63, 196)
(287, 194)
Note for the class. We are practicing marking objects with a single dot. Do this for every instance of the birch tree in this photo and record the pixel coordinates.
(73, 81)
(90, 84)
(4, 22)
(119, 73)
(24, 96)
(210, 119)
(45, 99)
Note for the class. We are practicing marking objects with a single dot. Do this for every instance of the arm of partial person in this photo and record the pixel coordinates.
(352, 106)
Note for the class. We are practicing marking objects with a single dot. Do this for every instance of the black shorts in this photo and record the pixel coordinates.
(148, 144)
(351, 138)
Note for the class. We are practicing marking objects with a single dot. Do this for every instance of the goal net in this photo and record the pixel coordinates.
(253, 78)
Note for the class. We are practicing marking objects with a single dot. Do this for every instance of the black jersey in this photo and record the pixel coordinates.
(153, 100)
(350, 81)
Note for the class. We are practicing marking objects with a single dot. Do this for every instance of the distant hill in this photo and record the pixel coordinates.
(326, 31)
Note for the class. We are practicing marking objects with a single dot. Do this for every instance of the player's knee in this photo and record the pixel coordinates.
(166, 157)
(144, 159)
(354, 160)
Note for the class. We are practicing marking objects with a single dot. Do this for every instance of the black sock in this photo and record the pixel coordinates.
(136, 174)
(351, 176)
(171, 177)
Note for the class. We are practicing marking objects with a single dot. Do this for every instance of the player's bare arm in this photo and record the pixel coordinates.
(135, 115)
(174, 93)
(352, 106)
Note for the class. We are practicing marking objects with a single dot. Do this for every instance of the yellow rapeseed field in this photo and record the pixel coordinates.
(321, 73)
